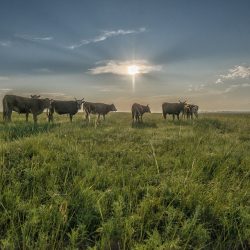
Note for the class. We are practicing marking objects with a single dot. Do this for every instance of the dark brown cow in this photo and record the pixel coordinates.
(138, 110)
(65, 107)
(98, 108)
(172, 109)
(24, 105)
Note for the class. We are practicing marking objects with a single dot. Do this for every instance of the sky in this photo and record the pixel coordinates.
(194, 50)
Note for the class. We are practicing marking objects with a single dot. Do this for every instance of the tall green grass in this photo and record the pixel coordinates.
(157, 185)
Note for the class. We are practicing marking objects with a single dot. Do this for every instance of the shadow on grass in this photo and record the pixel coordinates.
(14, 131)
(142, 125)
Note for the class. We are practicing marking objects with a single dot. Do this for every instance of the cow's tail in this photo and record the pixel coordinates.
(5, 109)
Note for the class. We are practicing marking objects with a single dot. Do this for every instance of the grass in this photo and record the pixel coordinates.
(156, 185)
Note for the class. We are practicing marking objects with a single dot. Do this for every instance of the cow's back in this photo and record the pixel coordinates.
(65, 107)
(96, 108)
(18, 103)
(172, 108)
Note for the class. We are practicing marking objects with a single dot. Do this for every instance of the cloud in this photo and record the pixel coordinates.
(5, 90)
(57, 95)
(5, 43)
(197, 88)
(218, 81)
(236, 86)
(43, 70)
(105, 35)
(4, 78)
(34, 38)
(121, 67)
(237, 71)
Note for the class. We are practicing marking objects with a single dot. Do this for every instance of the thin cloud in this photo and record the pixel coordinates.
(34, 38)
(121, 67)
(237, 71)
(196, 88)
(236, 86)
(105, 35)
(4, 78)
(5, 90)
(43, 70)
(218, 81)
(5, 43)
(57, 95)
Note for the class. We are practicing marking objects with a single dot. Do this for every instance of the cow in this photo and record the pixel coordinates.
(173, 109)
(138, 110)
(186, 112)
(193, 110)
(97, 108)
(26, 111)
(65, 107)
(24, 105)
(190, 110)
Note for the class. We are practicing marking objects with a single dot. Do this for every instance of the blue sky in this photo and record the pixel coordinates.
(195, 50)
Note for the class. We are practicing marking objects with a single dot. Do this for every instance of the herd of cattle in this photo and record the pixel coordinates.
(36, 106)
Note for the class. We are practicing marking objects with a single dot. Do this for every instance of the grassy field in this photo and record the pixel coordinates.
(158, 185)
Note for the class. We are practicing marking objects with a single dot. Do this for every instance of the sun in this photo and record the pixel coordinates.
(133, 70)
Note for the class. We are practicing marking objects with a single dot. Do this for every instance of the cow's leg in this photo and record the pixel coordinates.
(9, 113)
(5, 116)
(27, 117)
(104, 117)
(70, 117)
(164, 115)
(35, 118)
(173, 116)
(137, 118)
(98, 118)
(134, 116)
(51, 117)
(178, 117)
(86, 116)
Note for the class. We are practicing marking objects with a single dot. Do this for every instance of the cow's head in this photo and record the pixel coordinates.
(147, 109)
(48, 103)
(183, 104)
(79, 103)
(112, 107)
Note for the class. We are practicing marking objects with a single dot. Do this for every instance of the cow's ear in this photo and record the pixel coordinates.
(38, 96)
(31, 96)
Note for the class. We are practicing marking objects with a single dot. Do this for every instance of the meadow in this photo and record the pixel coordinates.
(157, 185)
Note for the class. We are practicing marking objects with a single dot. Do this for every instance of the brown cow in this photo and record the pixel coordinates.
(173, 109)
(65, 107)
(98, 108)
(24, 105)
(138, 110)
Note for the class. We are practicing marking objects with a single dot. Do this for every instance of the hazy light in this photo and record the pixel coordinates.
(133, 70)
